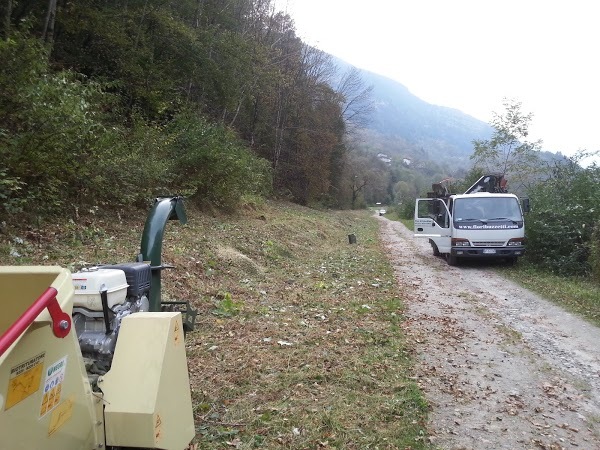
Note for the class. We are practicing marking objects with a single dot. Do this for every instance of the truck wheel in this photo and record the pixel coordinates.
(436, 251)
(452, 259)
(511, 261)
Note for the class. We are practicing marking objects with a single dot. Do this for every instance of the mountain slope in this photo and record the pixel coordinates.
(399, 113)
(404, 125)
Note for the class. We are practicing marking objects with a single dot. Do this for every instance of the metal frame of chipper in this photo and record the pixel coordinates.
(97, 361)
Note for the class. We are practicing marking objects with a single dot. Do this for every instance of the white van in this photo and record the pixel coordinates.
(475, 224)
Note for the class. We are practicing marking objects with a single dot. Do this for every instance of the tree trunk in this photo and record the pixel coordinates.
(48, 33)
(5, 12)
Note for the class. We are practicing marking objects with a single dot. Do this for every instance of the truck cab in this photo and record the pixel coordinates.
(476, 224)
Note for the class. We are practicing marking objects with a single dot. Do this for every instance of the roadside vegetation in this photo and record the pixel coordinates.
(577, 294)
(299, 337)
(563, 240)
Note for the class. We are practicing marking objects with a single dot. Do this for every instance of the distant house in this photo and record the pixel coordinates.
(384, 158)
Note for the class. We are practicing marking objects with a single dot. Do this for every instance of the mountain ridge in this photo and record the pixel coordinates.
(414, 128)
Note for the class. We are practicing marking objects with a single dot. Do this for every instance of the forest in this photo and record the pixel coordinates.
(114, 102)
(106, 104)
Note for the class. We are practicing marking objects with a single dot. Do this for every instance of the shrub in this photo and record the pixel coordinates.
(52, 129)
(595, 254)
(133, 167)
(65, 145)
(10, 193)
(563, 217)
(211, 164)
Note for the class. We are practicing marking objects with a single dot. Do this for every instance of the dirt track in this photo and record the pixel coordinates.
(501, 367)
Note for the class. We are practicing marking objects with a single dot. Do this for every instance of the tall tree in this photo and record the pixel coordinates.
(48, 33)
(357, 100)
(508, 151)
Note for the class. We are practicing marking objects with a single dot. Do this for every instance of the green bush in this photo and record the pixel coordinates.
(131, 168)
(595, 254)
(52, 129)
(65, 145)
(10, 193)
(563, 217)
(405, 210)
(210, 164)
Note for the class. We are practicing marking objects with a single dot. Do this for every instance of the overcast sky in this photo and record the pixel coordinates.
(470, 54)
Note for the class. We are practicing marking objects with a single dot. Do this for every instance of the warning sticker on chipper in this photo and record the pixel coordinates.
(55, 375)
(24, 380)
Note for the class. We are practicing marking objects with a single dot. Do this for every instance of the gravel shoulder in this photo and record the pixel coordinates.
(501, 367)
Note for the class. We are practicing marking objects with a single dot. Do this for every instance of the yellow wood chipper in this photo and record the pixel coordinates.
(94, 359)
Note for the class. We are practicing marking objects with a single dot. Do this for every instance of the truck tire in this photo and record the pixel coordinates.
(452, 259)
(511, 261)
(436, 251)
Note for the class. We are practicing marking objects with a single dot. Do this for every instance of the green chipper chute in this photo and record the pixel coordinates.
(163, 210)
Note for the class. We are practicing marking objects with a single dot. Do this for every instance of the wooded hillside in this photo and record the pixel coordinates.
(118, 101)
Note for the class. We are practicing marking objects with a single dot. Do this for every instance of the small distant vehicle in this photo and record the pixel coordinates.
(382, 212)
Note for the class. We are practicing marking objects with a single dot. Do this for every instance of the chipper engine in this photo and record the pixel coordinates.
(94, 359)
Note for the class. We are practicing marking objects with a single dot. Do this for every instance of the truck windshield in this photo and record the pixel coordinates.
(487, 209)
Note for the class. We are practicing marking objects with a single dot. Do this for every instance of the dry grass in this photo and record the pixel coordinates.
(298, 342)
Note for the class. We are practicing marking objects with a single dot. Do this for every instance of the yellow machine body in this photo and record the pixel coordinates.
(148, 389)
(46, 399)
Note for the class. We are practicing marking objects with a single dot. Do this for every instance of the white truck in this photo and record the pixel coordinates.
(484, 222)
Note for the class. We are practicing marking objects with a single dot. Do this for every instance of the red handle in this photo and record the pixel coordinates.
(61, 321)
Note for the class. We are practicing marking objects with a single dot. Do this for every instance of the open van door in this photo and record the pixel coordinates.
(432, 220)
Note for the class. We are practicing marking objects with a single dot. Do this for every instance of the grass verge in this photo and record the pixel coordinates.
(298, 342)
(577, 294)
(408, 223)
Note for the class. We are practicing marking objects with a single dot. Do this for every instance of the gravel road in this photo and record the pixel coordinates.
(501, 367)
